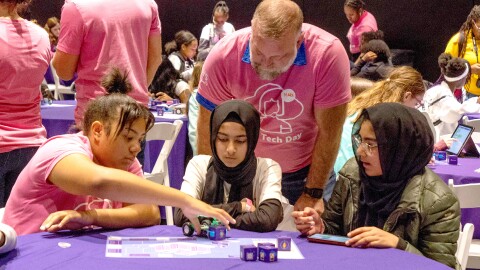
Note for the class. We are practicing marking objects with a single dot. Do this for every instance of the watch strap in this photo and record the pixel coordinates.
(316, 193)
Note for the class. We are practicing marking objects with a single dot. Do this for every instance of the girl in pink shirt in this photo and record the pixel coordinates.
(61, 187)
(361, 20)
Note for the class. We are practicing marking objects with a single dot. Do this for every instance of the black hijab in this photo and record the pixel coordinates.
(241, 176)
(405, 145)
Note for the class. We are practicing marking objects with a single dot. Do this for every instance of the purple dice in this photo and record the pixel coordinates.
(267, 253)
(217, 232)
(452, 160)
(284, 243)
(159, 110)
(248, 252)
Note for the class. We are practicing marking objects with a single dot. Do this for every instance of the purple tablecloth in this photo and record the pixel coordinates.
(58, 118)
(463, 173)
(87, 251)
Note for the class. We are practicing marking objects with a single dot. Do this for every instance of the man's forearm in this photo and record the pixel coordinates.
(330, 124)
(154, 58)
(203, 131)
(323, 158)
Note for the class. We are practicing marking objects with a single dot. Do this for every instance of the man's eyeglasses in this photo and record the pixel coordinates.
(419, 103)
(368, 147)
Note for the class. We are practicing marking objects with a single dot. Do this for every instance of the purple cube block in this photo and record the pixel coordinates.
(267, 253)
(248, 252)
(441, 155)
(159, 110)
(284, 243)
(217, 233)
(452, 160)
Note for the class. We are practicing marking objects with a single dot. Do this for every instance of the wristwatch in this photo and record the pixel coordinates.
(316, 193)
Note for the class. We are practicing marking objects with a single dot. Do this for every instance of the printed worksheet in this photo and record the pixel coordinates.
(187, 247)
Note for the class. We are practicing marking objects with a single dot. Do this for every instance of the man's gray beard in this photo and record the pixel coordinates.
(270, 75)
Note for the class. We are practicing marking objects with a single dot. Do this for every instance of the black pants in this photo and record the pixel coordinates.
(11, 165)
(294, 182)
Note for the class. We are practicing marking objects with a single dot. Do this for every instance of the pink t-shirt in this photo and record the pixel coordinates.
(366, 23)
(33, 197)
(319, 78)
(24, 57)
(106, 34)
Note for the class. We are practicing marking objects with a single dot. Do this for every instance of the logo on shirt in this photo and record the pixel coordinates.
(203, 79)
(277, 108)
(94, 203)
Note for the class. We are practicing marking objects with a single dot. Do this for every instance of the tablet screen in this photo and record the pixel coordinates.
(461, 135)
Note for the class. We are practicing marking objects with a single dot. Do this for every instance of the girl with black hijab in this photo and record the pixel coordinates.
(385, 197)
(234, 179)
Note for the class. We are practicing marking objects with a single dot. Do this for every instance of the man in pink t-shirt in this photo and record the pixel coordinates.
(296, 75)
(98, 35)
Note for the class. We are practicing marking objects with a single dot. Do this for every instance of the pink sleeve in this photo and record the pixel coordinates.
(333, 77)
(213, 84)
(72, 30)
(53, 151)
(364, 28)
(156, 26)
(136, 168)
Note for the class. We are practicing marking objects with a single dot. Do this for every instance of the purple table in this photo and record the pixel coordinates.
(58, 118)
(463, 173)
(87, 251)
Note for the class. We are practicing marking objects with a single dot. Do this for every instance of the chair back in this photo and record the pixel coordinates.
(473, 123)
(167, 132)
(467, 198)
(60, 89)
(467, 194)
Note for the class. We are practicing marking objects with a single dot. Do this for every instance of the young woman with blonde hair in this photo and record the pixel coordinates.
(403, 85)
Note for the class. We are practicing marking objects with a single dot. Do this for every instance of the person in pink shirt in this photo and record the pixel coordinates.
(97, 35)
(361, 20)
(296, 76)
(24, 57)
(93, 178)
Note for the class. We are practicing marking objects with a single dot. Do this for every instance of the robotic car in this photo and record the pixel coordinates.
(211, 228)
